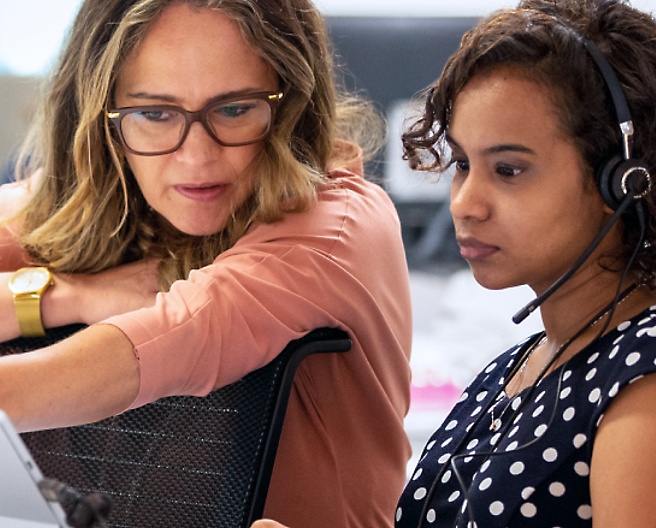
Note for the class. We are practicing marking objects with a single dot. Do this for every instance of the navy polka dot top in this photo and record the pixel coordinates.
(532, 470)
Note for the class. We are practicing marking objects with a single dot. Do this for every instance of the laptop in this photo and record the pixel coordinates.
(21, 503)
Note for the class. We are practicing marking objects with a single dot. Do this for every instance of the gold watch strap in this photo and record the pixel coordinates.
(28, 313)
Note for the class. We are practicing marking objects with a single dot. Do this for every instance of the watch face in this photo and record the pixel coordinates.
(29, 280)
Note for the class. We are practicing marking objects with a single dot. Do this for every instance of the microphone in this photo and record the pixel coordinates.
(535, 303)
(82, 511)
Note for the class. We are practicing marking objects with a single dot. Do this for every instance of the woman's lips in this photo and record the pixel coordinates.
(472, 249)
(201, 193)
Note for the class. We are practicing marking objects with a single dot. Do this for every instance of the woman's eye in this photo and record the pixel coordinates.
(461, 165)
(507, 171)
(234, 110)
(154, 115)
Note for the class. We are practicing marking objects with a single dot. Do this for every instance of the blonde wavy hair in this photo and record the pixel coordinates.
(87, 213)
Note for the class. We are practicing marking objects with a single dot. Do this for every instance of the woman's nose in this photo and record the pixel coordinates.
(470, 197)
(199, 145)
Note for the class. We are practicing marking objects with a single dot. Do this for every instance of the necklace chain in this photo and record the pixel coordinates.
(496, 423)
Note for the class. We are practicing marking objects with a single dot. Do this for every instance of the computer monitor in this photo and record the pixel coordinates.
(22, 504)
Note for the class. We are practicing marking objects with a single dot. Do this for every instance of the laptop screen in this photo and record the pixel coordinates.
(21, 503)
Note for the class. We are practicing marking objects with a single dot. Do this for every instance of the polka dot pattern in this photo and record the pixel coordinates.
(534, 471)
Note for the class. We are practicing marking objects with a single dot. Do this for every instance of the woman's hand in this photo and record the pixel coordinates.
(267, 523)
(90, 298)
(86, 298)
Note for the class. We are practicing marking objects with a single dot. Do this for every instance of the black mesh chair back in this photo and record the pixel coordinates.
(181, 461)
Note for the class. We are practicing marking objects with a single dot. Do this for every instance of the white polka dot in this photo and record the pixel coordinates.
(420, 493)
(430, 445)
(614, 390)
(484, 467)
(593, 358)
(538, 411)
(594, 395)
(540, 396)
(623, 326)
(481, 396)
(550, 454)
(446, 477)
(399, 513)
(613, 352)
(582, 469)
(565, 392)
(557, 489)
(468, 459)
(471, 445)
(463, 397)
(512, 446)
(517, 468)
(591, 374)
(463, 508)
(566, 375)
(513, 431)
(518, 418)
(490, 367)
(476, 411)
(430, 516)
(540, 430)
(444, 458)
(495, 438)
(454, 496)
(568, 414)
(417, 474)
(516, 403)
(651, 332)
(584, 512)
(496, 508)
(579, 440)
(528, 510)
(451, 425)
(485, 484)
(632, 358)
(527, 492)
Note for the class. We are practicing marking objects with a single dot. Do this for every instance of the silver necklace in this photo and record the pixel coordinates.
(495, 423)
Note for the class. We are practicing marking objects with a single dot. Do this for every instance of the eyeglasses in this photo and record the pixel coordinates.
(230, 121)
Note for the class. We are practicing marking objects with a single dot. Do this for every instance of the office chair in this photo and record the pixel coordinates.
(193, 462)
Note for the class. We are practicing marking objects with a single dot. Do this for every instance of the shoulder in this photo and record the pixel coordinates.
(13, 197)
(616, 362)
(16, 195)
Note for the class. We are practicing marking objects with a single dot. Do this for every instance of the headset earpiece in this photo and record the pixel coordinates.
(617, 176)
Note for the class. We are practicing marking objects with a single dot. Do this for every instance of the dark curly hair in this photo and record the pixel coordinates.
(545, 39)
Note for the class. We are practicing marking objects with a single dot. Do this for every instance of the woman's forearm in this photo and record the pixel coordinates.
(92, 375)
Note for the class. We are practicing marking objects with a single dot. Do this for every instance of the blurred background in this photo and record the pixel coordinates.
(388, 51)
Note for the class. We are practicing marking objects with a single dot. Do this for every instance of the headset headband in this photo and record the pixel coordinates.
(616, 93)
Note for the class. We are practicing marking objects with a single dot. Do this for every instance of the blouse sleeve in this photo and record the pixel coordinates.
(313, 269)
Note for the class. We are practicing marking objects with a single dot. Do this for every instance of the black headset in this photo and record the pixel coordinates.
(620, 179)
(621, 173)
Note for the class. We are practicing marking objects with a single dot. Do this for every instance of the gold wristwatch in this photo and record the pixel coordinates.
(28, 286)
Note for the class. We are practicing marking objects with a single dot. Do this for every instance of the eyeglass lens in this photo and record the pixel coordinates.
(161, 128)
